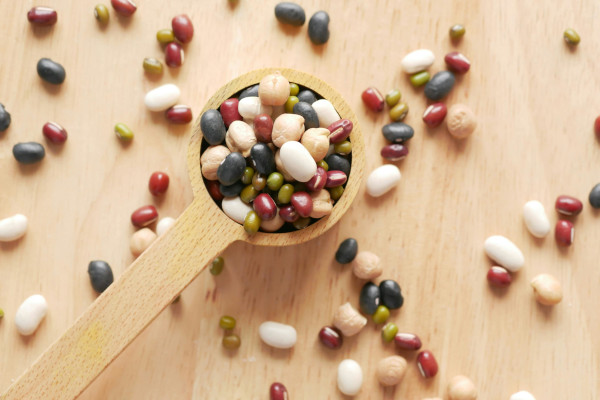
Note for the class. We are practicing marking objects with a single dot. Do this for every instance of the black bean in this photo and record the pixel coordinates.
(595, 196)
(439, 85)
(29, 152)
(337, 162)
(213, 127)
(346, 251)
(318, 27)
(263, 158)
(397, 132)
(290, 13)
(307, 96)
(4, 118)
(391, 296)
(231, 169)
(251, 91)
(369, 298)
(50, 71)
(231, 190)
(101, 275)
(311, 119)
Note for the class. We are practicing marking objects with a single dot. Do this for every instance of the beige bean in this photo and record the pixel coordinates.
(211, 159)
(322, 204)
(316, 141)
(141, 240)
(391, 370)
(287, 128)
(460, 121)
(547, 289)
(367, 265)
(461, 388)
(281, 168)
(240, 137)
(348, 320)
(274, 89)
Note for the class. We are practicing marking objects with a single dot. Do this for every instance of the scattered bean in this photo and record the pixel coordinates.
(391, 370)
(235, 209)
(274, 89)
(101, 275)
(547, 289)
(427, 364)
(367, 265)
(158, 183)
(211, 159)
(227, 322)
(373, 99)
(124, 7)
(287, 128)
(381, 314)
(440, 85)
(325, 112)
(348, 320)
(596, 127)
(391, 295)
(174, 55)
(152, 66)
(318, 28)
(4, 118)
(183, 29)
(231, 342)
(420, 78)
(370, 298)
(434, 114)
(416, 61)
(42, 16)
(13, 227)
(394, 152)
(461, 121)
(382, 179)
(165, 36)
(393, 97)
(399, 111)
(162, 97)
(346, 251)
(51, 71)
(407, 341)
(457, 62)
(290, 13)
(144, 216)
(389, 331)
(277, 335)
(54, 132)
(331, 337)
(123, 132)
(278, 392)
(397, 132)
(535, 218)
(568, 205)
(504, 252)
(30, 314)
(164, 224)
(252, 223)
(461, 388)
(457, 31)
(101, 13)
(349, 377)
(564, 232)
(28, 152)
(179, 114)
(571, 37)
(216, 267)
(307, 96)
(499, 276)
(522, 395)
(594, 197)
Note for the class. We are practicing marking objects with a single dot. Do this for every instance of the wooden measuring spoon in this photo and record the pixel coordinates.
(151, 283)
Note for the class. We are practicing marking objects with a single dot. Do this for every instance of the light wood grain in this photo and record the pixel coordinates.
(536, 101)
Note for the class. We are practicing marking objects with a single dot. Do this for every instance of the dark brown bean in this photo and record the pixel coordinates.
(318, 181)
(407, 341)
(568, 205)
(435, 114)
(457, 62)
(229, 111)
(54, 132)
(278, 392)
(331, 337)
(213, 190)
(265, 207)
(335, 178)
(288, 213)
(42, 16)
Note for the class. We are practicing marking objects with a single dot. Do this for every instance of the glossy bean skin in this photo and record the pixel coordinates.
(174, 55)
(152, 66)
(335, 178)
(54, 132)
(564, 232)
(51, 71)
(318, 28)
(340, 130)
(302, 203)
(101, 275)
(427, 364)
(407, 341)
(263, 128)
(229, 111)
(288, 213)
(29, 152)
(499, 276)
(144, 216)
(213, 190)
(158, 183)
(391, 295)
(124, 7)
(331, 337)
(346, 251)
(278, 392)
(311, 120)
(338, 163)
(5, 118)
(394, 152)
(318, 181)
(373, 99)
(369, 298)
(42, 16)
(434, 114)
(212, 125)
(440, 85)
(290, 14)
(265, 207)
(183, 29)
(179, 114)
(457, 62)
(568, 205)
(101, 13)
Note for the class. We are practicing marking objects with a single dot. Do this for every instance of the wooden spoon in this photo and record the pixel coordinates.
(151, 283)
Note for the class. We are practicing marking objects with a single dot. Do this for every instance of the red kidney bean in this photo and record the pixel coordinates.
(435, 114)
(407, 341)
(317, 182)
(174, 55)
(54, 132)
(427, 364)
(229, 111)
(564, 232)
(302, 203)
(179, 114)
(213, 190)
(42, 16)
(265, 207)
(394, 152)
(331, 337)
(499, 276)
(159, 183)
(183, 28)
(144, 216)
(457, 62)
(340, 130)
(124, 7)
(263, 127)
(335, 178)
(373, 99)
(278, 392)
(288, 213)
(597, 127)
(568, 205)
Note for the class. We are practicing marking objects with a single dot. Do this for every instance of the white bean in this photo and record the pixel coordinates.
(522, 395)
(12, 228)
(235, 209)
(504, 252)
(349, 377)
(383, 179)
(326, 112)
(297, 161)
(416, 61)
(164, 224)
(250, 107)
(30, 314)
(536, 219)
(162, 97)
(277, 335)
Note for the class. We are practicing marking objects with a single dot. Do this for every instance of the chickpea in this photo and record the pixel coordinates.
(316, 141)
(461, 121)
(348, 320)
(240, 137)
(322, 204)
(547, 289)
(461, 388)
(141, 240)
(287, 128)
(211, 159)
(367, 265)
(274, 89)
(391, 370)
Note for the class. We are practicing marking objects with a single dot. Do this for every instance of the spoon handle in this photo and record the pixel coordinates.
(120, 314)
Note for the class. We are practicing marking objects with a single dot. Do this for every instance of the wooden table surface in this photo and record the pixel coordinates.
(536, 101)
